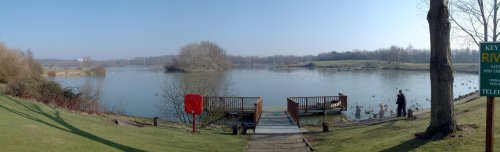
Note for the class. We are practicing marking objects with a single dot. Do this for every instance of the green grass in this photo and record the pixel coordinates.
(29, 126)
(399, 135)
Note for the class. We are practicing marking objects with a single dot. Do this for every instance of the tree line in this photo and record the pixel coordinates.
(188, 55)
(392, 54)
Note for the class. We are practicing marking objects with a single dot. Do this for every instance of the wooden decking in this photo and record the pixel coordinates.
(277, 131)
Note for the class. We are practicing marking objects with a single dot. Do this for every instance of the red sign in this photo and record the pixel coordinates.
(193, 104)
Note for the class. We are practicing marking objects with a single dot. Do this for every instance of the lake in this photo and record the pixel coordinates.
(138, 89)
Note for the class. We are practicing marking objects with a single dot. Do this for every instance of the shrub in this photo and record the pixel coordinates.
(25, 88)
(12, 63)
(172, 68)
(309, 65)
(3, 88)
(23, 77)
(85, 99)
(51, 73)
(99, 71)
(17, 65)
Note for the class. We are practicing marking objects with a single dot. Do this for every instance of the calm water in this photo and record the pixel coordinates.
(138, 89)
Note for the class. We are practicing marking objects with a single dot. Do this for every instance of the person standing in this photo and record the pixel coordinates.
(401, 101)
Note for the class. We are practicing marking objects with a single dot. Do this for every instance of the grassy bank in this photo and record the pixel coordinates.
(374, 64)
(29, 126)
(399, 135)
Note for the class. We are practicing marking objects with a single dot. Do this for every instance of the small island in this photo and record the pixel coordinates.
(97, 71)
(203, 56)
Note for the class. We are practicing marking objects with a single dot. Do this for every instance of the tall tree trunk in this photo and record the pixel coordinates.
(495, 21)
(485, 21)
(441, 72)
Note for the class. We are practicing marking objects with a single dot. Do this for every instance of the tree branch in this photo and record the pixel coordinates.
(463, 29)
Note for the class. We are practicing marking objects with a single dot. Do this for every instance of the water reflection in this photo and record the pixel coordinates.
(212, 83)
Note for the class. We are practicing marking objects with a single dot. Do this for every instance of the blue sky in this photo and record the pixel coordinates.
(111, 29)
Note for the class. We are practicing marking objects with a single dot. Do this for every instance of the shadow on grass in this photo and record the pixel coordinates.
(67, 127)
(407, 145)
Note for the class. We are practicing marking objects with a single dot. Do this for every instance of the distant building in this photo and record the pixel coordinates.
(79, 60)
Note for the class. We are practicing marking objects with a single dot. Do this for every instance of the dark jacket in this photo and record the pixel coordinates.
(401, 99)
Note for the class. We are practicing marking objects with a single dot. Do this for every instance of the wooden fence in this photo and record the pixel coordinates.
(293, 110)
(234, 104)
(258, 111)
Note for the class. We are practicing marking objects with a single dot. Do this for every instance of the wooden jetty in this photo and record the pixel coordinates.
(277, 131)
(234, 105)
(297, 106)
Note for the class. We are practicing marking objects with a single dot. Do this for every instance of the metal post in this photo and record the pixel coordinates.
(155, 121)
(241, 112)
(255, 113)
(325, 123)
(194, 122)
(490, 112)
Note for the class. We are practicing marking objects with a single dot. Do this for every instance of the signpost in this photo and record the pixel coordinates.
(489, 84)
(193, 104)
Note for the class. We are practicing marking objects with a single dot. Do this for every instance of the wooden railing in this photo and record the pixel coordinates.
(258, 111)
(234, 104)
(293, 110)
(321, 103)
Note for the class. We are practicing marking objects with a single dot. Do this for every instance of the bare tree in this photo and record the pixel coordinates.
(90, 97)
(171, 105)
(441, 72)
(86, 63)
(476, 20)
(34, 66)
(202, 57)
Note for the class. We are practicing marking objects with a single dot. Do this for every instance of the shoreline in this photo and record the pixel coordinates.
(416, 113)
(471, 71)
(355, 65)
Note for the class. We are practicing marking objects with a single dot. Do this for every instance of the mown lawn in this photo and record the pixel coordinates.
(399, 135)
(29, 126)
